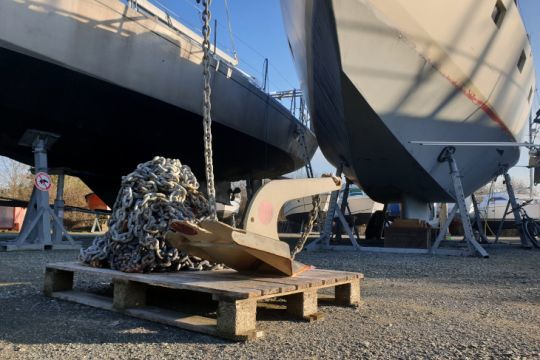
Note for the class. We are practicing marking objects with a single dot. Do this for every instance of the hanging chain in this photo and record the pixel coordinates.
(207, 110)
(313, 215)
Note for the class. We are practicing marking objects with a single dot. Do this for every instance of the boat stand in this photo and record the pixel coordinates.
(447, 155)
(345, 208)
(36, 229)
(512, 203)
(478, 221)
(323, 242)
(96, 225)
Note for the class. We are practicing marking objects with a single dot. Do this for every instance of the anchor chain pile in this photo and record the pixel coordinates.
(157, 192)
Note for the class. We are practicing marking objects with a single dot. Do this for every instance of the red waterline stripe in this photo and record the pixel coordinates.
(486, 108)
(483, 105)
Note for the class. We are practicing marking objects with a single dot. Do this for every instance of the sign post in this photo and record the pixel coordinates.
(42, 181)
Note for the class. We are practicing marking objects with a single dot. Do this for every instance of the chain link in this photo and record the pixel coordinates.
(313, 215)
(316, 200)
(207, 110)
(156, 193)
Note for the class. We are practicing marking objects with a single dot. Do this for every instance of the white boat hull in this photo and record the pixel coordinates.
(380, 74)
(493, 208)
(362, 207)
(226, 211)
(298, 210)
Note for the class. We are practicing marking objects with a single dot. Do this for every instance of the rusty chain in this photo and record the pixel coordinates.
(313, 215)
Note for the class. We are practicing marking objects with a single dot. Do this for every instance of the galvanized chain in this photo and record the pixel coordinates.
(313, 215)
(207, 110)
(157, 192)
(316, 200)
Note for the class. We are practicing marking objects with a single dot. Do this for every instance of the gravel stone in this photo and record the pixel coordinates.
(414, 307)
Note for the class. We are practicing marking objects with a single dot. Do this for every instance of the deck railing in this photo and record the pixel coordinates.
(168, 18)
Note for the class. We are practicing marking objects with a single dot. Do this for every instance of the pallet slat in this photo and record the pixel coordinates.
(97, 301)
(185, 280)
(196, 323)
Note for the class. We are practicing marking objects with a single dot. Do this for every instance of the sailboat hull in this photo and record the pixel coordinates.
(121, 86)
(380, 74)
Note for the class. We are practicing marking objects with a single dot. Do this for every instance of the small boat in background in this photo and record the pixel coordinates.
(360, 205)
(298, 210)
(225, 210)
(492, 209)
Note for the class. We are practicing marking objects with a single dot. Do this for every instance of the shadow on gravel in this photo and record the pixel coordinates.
(36, 319)
(28, 317)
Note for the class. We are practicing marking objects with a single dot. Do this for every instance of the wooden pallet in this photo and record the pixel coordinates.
(236, 295)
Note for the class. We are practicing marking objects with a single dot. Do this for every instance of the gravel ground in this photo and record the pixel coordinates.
(415, 307)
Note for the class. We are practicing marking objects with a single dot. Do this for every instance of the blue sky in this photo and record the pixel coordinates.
(259, 34)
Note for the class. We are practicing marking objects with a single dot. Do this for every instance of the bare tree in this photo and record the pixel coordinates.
(15, 179)
(520, 187)
(74, 195)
